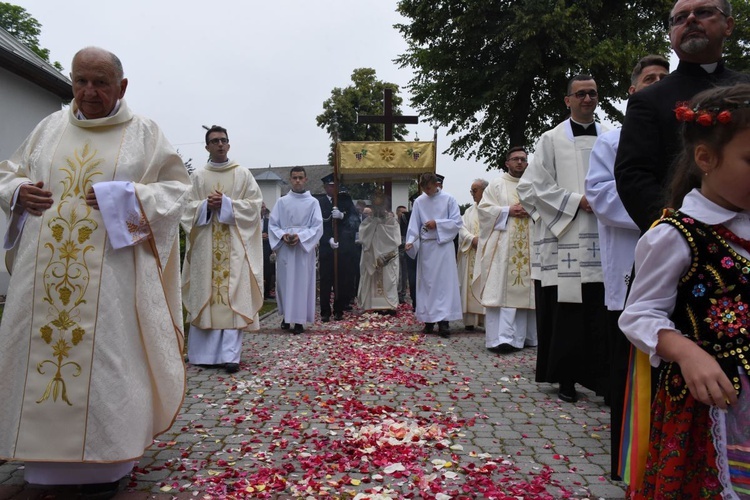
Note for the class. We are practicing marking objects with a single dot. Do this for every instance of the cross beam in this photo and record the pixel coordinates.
(387, 118)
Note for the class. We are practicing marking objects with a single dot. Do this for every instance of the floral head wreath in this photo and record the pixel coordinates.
(706, 116)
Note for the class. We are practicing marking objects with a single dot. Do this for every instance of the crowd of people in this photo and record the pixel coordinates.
(557, 253)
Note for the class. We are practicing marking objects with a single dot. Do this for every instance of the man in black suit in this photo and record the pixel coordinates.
(649, 142)
(347, 217)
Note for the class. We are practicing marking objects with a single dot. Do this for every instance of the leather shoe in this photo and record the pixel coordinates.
(325, 319)
(284, 325)
(338, 316)
(100, 491)
(232, 367)
(503, 349)
(298, 329)
(429, 327)
(567, 393)
(469, 328)
(444, 329)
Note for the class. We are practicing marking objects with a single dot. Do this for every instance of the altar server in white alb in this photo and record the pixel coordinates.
(222, 277)
(502, 273)
(468, 239)
(294, 229)
(91, 366)
(434, 223)
(380, 237)
(570, 296)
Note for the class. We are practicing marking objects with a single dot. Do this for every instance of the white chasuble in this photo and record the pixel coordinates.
(379, 266)
(223, 269)
(502, 275)
(91, 340)
(466, 257)
(566, 250)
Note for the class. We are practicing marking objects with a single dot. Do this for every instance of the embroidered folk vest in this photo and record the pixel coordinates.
(713, 302)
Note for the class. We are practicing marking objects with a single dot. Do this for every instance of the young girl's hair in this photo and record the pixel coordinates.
(712, 117)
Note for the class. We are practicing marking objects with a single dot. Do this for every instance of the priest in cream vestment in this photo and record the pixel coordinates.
(223, 272)
(91, 340)
(502, 273)
(468, 239)
(380, 237)
(571, 316)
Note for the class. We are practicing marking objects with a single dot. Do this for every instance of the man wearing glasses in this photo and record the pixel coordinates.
(566, 265)
(502, 273)
(649, 140)
(222, 277)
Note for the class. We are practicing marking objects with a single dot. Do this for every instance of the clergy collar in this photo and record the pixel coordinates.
(218, 164)
(695, 69)
(114, 111)
(582, 128)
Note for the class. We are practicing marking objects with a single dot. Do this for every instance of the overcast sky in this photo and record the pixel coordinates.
(262, 69)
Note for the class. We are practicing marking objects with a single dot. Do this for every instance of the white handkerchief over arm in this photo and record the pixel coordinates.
(121, 212)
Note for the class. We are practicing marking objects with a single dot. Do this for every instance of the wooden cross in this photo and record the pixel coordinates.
(387, 118)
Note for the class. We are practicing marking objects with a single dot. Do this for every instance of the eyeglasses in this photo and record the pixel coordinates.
(581, 94)
(701, 13)
(219, 140)
(518, 158)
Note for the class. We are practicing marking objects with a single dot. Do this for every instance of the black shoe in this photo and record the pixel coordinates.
(444, 329)
(298, 329)
(348, 307)
(284, 325)
(232, 367)
(338, 316)
(567, 393)
(503, 349)
(469, 328)
(428, 327)
(325, 319)
(100, 491)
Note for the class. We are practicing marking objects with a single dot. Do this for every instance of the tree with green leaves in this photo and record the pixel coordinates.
(339, 117)
(19, 23)
(495, 73)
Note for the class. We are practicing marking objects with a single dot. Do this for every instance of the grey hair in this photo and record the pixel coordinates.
(482, 183)
(116, 63)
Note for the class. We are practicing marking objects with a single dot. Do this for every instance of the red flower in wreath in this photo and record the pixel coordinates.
(684, 114)
(705, 118)
(724, 117)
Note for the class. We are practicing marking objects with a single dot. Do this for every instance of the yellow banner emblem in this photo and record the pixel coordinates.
(392, 158)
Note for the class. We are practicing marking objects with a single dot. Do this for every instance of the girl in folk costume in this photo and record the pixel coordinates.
(689, 309)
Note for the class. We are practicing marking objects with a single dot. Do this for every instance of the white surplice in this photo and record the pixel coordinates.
(618, 234)
(91, 340)
(296, 213)
(438, 295)
(379, 265)
(566, 252)
(502, 272)
(222, 274)
(473, 310)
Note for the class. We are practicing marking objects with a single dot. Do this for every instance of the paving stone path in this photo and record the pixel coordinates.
(369, 408)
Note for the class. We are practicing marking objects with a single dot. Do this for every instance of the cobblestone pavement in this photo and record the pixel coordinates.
(365, 407)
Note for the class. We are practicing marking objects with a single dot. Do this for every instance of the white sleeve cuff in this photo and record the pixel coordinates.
(123, 218)
(226, 214)
(502, 219)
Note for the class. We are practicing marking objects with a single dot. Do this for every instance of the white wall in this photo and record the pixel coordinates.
(271, 192)
(22, 107)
